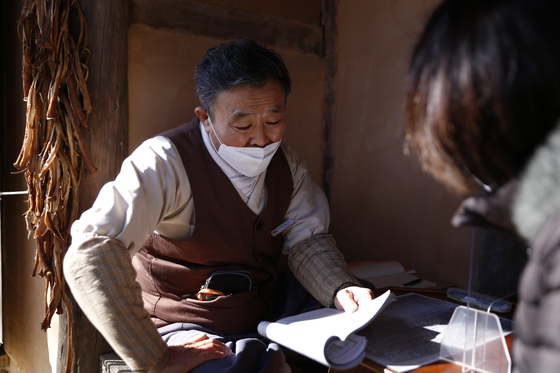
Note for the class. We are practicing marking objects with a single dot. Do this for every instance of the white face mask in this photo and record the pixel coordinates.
(250, 161)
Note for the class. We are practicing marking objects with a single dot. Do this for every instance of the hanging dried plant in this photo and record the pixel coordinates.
(53, 151)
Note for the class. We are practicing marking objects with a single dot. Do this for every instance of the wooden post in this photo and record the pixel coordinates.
(210, 20)
(107, 141)
(329, 104)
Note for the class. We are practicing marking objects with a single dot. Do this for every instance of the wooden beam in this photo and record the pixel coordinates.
(329, 103)
(107, 141)
(202, 19)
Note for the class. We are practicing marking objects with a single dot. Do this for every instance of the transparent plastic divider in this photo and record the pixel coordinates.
(475, 340)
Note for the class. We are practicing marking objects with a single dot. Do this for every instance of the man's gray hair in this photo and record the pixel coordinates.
(238, 62)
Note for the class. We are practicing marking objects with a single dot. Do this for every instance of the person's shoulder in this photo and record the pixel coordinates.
(291, 155)
(297, 165)
(157, 144)
(155, 150)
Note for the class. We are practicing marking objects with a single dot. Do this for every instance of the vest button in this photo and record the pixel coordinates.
(259, 225)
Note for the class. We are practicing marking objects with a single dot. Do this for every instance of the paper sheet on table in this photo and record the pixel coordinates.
(407, 334)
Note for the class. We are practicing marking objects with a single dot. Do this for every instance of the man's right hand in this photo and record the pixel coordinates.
(195, 351)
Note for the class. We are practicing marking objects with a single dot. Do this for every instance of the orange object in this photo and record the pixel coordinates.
(208, 294)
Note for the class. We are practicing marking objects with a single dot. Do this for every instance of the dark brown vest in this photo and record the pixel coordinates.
(227, 235)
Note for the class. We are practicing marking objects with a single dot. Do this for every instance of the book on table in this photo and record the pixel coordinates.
(327, 335)
(388, 273)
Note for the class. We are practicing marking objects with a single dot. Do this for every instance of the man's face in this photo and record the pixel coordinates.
(247, 116)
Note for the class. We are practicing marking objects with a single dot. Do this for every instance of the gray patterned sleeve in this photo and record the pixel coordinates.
(99, 272)
(320, 267)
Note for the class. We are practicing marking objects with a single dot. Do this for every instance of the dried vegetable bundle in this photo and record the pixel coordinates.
(53, 151)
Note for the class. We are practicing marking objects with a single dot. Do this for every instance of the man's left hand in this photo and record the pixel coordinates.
(350, 298)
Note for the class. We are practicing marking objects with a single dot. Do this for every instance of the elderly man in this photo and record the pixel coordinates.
(216, 197)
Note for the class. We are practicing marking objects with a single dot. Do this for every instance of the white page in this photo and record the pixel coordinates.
(308, 333)
(339, 353)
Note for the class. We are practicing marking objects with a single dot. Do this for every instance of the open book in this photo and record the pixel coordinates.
(327, 335)
(387, 273)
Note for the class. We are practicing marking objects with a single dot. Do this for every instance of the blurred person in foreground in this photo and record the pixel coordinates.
(218, 197)
(483, 108)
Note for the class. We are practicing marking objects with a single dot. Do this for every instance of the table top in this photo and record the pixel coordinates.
(369, 366)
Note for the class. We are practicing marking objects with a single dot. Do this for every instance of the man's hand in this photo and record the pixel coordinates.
(350, 298)
(195, 351)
